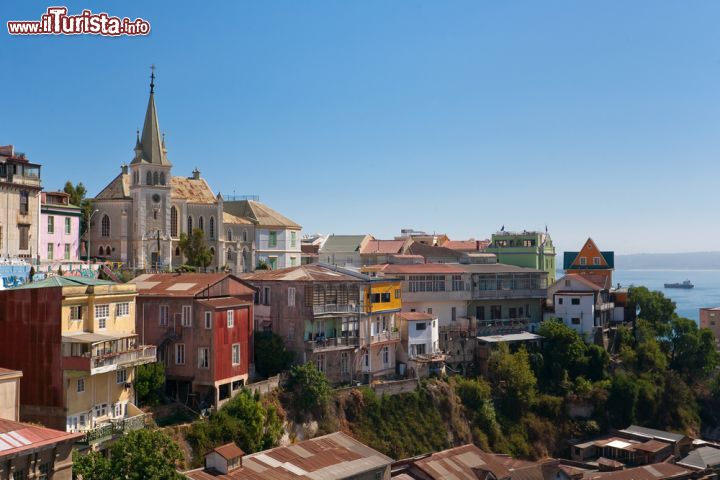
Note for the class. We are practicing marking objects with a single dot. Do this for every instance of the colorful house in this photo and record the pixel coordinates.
(591, 263)
(74, 340)
(59, 231)
(525, 249)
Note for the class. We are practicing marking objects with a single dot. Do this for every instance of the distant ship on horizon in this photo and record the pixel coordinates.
(685, 284)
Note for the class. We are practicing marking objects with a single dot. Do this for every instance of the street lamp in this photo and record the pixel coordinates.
(88, 232)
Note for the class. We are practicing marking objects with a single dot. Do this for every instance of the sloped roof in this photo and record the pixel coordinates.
(343, 243)
(702, 458)
(580, 278)
(645, 432)
(151, 143)
(117, 189)
(259, 214)
(229, 451)
(382, 246)
(416, 268)
(56, 281)
(466, 245)
(235, 220)
(329, 457)
(179, 284)
(16, 437)
(656, 471)
(569, 258)
(417, 248)
(192, 190)
(462, 463)
(416, 316)
(304, 273)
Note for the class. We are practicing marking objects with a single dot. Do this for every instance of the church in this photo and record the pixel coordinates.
(139, 216)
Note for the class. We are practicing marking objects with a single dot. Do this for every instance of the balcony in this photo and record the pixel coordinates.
(320, 345)
(332, 308)
(602, 307)
(111, 361)
(507, 293)
(385, 337)
(113, 428)
(501, 326)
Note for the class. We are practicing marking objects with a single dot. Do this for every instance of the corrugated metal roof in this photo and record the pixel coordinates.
(702, 458)
(653, 433)
(343, 243)
(16, 437)
(229, 451)
(510, 337)
(56, 281)
(179, 284)
(224, 302)
(656, 471)
(412, 316)
(303, 273)
(416, 268)
(235, 220)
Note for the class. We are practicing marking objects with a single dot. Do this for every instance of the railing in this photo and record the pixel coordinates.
(385, 337)
(502, 325)
(605, 306)
(338, 342)
(113, 428)
(144, 354)
(336, 308)
(509, 293)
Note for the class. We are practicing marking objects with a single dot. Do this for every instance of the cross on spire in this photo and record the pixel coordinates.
(152, 78)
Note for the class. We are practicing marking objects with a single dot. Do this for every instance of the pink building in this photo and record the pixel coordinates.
(59, 231)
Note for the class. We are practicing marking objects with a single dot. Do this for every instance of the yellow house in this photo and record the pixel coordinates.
(91, 354)
(383, 299)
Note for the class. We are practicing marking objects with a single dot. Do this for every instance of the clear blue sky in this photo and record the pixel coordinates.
(598, 119)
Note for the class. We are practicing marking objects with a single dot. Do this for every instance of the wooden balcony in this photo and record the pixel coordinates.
(111, 361)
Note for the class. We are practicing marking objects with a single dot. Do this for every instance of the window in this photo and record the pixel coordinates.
(236, 354)
(50, 251)
(156, 179)
(495, 312)
(102, 312)
(122, 309)
(576, 321)
(76, 312)
(24, 231)
(118, 410)
(19, 474)
(212, 227)
(80, 385)
(419, 348)
(385, 297)
(203, 357)
(162, 178)
(164, 314)
(457, 283)
(420, 326)
(397, 293)
(148, 178)
(575, 301)
(293, 239)
(386, 356)
(173, 222)
(208, 320)
(44, 471)
(24, 202)
(320, 362)
(121, 376)
(67, 251)
(179, 354)
(272, 239)
(189, 225)
(291, 296)
(201, 223)
(230, 318)
(344, 362)
(429, 310)
(186, 316)
(51, 224)
(101, 251)
(596, 260)
(244, 236)
(177, 251)
(293, 261)
(101, 410)
(228, 235)
(266, 296)
(583, 261)
(453, 313)
(560, 301)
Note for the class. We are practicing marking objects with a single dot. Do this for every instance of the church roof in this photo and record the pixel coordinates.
(191, 189)
(233, 219)
(151, 144)
(259, 214)
(117, 189)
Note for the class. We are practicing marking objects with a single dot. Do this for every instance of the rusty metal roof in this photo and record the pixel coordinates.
(224, 302)
(303, 273)
(382, 246)
(335, 456)
(16, 437)
(179, 284)
(416, 268)
(413, 316)
(655, 471)
(229, 451)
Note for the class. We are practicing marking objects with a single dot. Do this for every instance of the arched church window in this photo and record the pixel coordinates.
(155, 212)
(162, 178)
(105, 226)
(148, 178)
(212, 252)
(177, 251)
(201, 224)
(155, 178)
(228, 235)
(173, 222)
(229, 254)
(101, 251)
(244, 235)
(189, 225)
(212, 227)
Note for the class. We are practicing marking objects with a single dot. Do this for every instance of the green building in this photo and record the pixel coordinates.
(525, 249)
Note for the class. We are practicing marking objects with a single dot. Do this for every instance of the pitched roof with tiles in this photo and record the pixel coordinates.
(16, 437)
(180, 284)
(416, 316)
(330, 457)
(382, 246)
(117, 189)
(306, 273)
(259, 214)
(192, 190)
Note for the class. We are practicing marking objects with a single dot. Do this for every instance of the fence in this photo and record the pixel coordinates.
(266, 386)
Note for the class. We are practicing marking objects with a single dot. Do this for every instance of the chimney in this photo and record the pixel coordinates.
(124, 168)
(196, 174)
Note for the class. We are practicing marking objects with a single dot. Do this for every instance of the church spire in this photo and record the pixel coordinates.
(153, 150)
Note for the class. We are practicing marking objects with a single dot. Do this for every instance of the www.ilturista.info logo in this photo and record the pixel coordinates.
(57, 22)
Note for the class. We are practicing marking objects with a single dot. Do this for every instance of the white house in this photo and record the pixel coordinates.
(581, 304)
(419, 334)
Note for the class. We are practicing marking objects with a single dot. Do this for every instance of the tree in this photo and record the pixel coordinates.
(309, 387)
(195, 249)
(150, 382)
(623, 399)
(271, 356)
(692, 350)
(77, 197)
(564, 352)
(513, 380)
(653, 306)
(139, 455)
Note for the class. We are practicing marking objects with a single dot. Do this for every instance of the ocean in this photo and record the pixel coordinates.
(705, 294)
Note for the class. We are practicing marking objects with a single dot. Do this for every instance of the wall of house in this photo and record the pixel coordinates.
(120, 230)
(10, 218)
(285, 251)
(531, 308)
(584, 312)
(223, 340)
(30, 322)
(441, 309)
(392, 288)
(59, 456)
(99, 389)
(10, 398)
(59, 238)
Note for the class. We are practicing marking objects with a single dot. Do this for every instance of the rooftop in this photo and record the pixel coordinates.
(343, 243)
(7, 373)
(330, 457)
(652, 433)
(16, 437)
(416, 316)
(510, 337)
(416, 268)
(702, 458)
(56, 281)
(315, 272)
(655, 471)
(258, 214)
(180, 284)
(382, 246)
